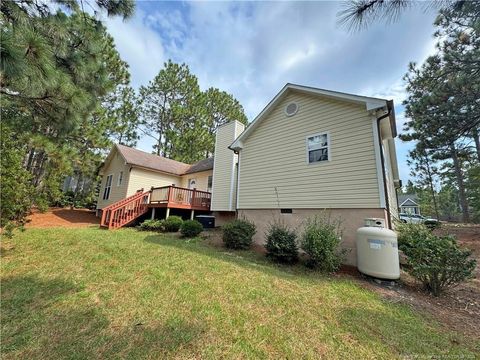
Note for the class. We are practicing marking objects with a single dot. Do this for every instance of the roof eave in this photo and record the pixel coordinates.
(371, 104)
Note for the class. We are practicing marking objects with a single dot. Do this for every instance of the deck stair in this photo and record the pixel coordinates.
(126, 210)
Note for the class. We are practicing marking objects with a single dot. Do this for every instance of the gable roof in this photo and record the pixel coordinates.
(370, 103)
(154, 162)
(404, 198)
(202, 165)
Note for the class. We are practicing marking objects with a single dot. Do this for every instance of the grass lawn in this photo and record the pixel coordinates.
(90, 293)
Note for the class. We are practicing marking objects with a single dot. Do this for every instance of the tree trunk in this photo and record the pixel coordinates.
(430, 183)
(29, 161)
(476, 138)
(461, 185)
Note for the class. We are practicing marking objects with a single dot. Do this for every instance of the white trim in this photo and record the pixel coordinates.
(105, 187)
(408, 200)
(369, 102)
(232, 182)
(378, 162)
(329, 158)
(237, 205)
(290, 103)
(120, 177)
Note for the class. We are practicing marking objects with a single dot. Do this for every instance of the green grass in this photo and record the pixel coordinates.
(90, 293)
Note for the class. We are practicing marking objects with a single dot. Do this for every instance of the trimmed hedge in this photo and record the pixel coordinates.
(172, 223)
(191, 228)
(152, 225)
(238, 234)
(281, 243)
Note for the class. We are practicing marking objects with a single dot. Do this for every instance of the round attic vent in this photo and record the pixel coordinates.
(291, 109)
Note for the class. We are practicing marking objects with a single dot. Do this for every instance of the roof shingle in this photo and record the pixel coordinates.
(159, 163)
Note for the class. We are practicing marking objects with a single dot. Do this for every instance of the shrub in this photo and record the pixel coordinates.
(409, 234)
(321, 242)
(172, 223)
(153, 225)
(436, 261)
(191, 228)
(281, 243)
(238, 234)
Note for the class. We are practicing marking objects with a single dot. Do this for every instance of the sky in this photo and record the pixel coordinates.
(252, 49)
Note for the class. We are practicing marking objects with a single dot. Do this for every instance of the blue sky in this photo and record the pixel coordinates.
(251, 49)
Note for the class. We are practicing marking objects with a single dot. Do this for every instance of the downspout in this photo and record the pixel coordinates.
(382, 160)
(236, 184)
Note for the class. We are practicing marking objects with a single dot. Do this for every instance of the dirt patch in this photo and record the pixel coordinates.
(62, 217)
(459, 308)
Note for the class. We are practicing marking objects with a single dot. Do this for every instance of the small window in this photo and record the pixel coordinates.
(209, 184)
(286, 211)
(108, 186)
(120, 178)
(318, 148)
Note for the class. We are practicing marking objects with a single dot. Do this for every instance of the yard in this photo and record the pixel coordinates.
(90, 293)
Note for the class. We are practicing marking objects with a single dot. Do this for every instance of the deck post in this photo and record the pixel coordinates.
(192, 214)
(153, 213)
(168, 213)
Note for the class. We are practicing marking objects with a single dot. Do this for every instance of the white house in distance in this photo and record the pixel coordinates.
(310, 150)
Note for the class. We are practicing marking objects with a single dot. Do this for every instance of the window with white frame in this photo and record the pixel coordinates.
(318, 148)
(120, 178)
(108, 187)
(209, 183)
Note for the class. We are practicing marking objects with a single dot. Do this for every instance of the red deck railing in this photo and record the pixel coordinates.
(124, 211)
(180, 198)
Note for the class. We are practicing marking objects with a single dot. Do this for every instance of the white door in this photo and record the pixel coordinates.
(192, 183)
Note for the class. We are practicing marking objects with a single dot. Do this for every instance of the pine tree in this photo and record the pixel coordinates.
(425, 173)
(57, 64)
(180, 117)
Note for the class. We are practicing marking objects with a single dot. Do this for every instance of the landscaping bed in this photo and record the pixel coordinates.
(62, 217)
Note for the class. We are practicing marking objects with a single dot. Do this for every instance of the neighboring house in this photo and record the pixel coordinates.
(408, 204)
(310, 150)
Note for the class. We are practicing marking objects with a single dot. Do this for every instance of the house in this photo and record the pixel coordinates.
(408, 204)
(310, 150)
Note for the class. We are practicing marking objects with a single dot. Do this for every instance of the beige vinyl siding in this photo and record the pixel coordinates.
(143, 178)
(201, 179)
(114, 167)
(275, 156)
(223, 194)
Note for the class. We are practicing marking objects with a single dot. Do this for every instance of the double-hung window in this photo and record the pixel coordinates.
(108, 187)
(318, 148)
(120, 178)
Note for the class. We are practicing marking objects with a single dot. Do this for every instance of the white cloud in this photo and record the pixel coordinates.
(139, 45)
(251, 49)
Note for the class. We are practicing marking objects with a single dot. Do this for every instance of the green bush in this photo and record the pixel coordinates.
(436, 261)
(238, 234)
(191, 228)
(281, 243)
(152, 225)
(409, 234)
(172, 223)
(321, 242)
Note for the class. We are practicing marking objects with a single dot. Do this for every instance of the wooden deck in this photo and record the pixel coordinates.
(126, 210)
(174, 197)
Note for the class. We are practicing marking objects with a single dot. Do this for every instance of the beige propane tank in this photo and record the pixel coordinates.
(377, 250)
